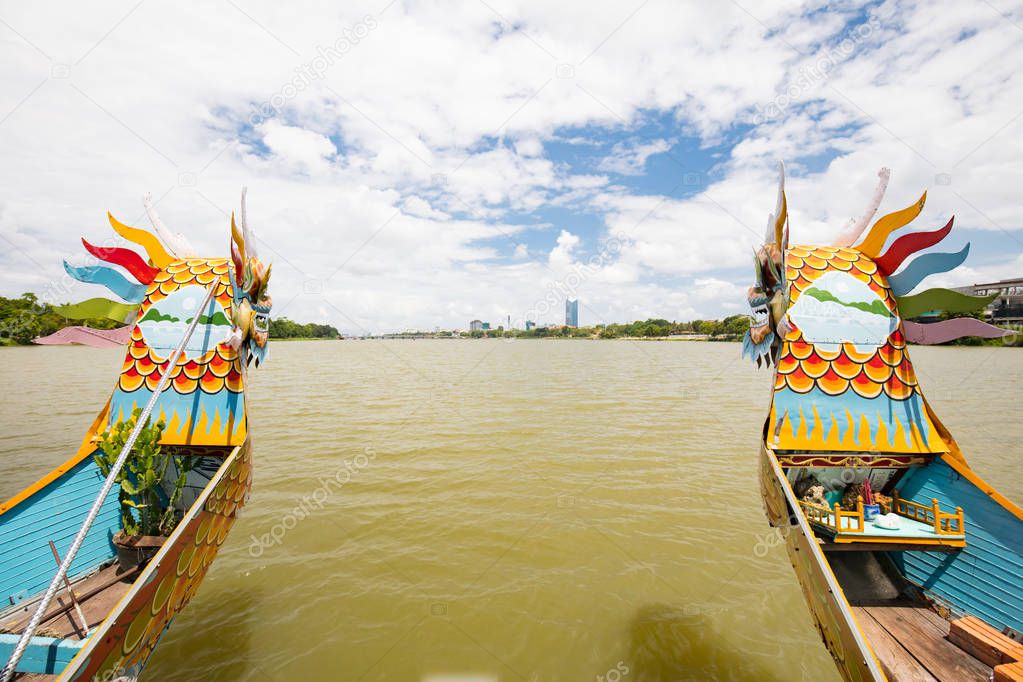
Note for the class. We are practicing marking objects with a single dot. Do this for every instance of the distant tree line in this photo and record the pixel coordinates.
(284, 328)
(729, 329)
(25, 318)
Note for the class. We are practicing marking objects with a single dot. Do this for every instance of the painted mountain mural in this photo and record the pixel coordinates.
(839, 308)
(876, 306)
(217, 318)
(166, 321)
(154, 315)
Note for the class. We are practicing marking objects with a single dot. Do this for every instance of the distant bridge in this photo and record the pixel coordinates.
(1008, 307)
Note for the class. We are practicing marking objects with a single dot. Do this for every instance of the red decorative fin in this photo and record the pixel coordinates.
(906, 245)
(126, 258)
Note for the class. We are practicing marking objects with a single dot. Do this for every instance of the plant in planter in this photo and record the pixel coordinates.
(148, 513)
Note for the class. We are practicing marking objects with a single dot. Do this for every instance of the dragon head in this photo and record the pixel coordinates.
(252, 303)
(767, 297)
(771, 321)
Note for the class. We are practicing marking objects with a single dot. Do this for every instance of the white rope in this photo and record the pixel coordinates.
(37, 617)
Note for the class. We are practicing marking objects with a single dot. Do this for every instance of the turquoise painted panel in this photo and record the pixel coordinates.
(44, 655)
(985, 578)
(54, 513)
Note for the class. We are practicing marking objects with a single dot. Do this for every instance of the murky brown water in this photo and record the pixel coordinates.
(534, 510)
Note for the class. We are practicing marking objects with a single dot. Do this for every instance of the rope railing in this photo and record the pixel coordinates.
(108, 484)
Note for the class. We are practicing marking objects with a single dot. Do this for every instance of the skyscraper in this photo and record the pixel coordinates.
(571, 312)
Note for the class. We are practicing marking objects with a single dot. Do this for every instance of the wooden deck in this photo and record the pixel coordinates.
(97, 595)
(908, 638)
(910, 643)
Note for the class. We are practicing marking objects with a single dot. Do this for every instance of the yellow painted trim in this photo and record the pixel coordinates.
(150, 243)
(905, 541)
(84, 450)
(962, 468)
(822, 561)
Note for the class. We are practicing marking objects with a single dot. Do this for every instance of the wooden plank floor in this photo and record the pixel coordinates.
(910, 643)
(98, 594)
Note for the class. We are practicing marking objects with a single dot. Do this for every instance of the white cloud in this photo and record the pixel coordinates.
(561, 254)
(530, 146)
(630, 159)
(419, 207)
(298, 149)
(400, 176)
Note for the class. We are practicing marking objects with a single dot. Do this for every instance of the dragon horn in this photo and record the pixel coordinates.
(176, 243)
(237, 251)
(854, 228)
(781, 209)
(250, 237)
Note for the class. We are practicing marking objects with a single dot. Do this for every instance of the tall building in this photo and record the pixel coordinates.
(571, 312)
(475, 326)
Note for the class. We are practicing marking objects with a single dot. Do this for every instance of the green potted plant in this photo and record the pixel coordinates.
(148, 513)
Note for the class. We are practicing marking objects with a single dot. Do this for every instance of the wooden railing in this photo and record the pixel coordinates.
(832, 518)
(943, 523)
(855, 517)
(816, 513)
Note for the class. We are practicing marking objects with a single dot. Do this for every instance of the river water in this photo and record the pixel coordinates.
(490, 510)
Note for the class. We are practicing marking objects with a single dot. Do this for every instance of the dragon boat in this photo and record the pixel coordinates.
(911, 564)
(69, 610)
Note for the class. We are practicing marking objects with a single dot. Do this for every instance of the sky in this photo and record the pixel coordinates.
(414, 164)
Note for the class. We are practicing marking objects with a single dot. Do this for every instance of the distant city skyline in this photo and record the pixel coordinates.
(572, 312)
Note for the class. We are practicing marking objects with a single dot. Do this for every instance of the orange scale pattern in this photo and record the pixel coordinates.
(217, 370)
(804, 264)
(802, 366)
